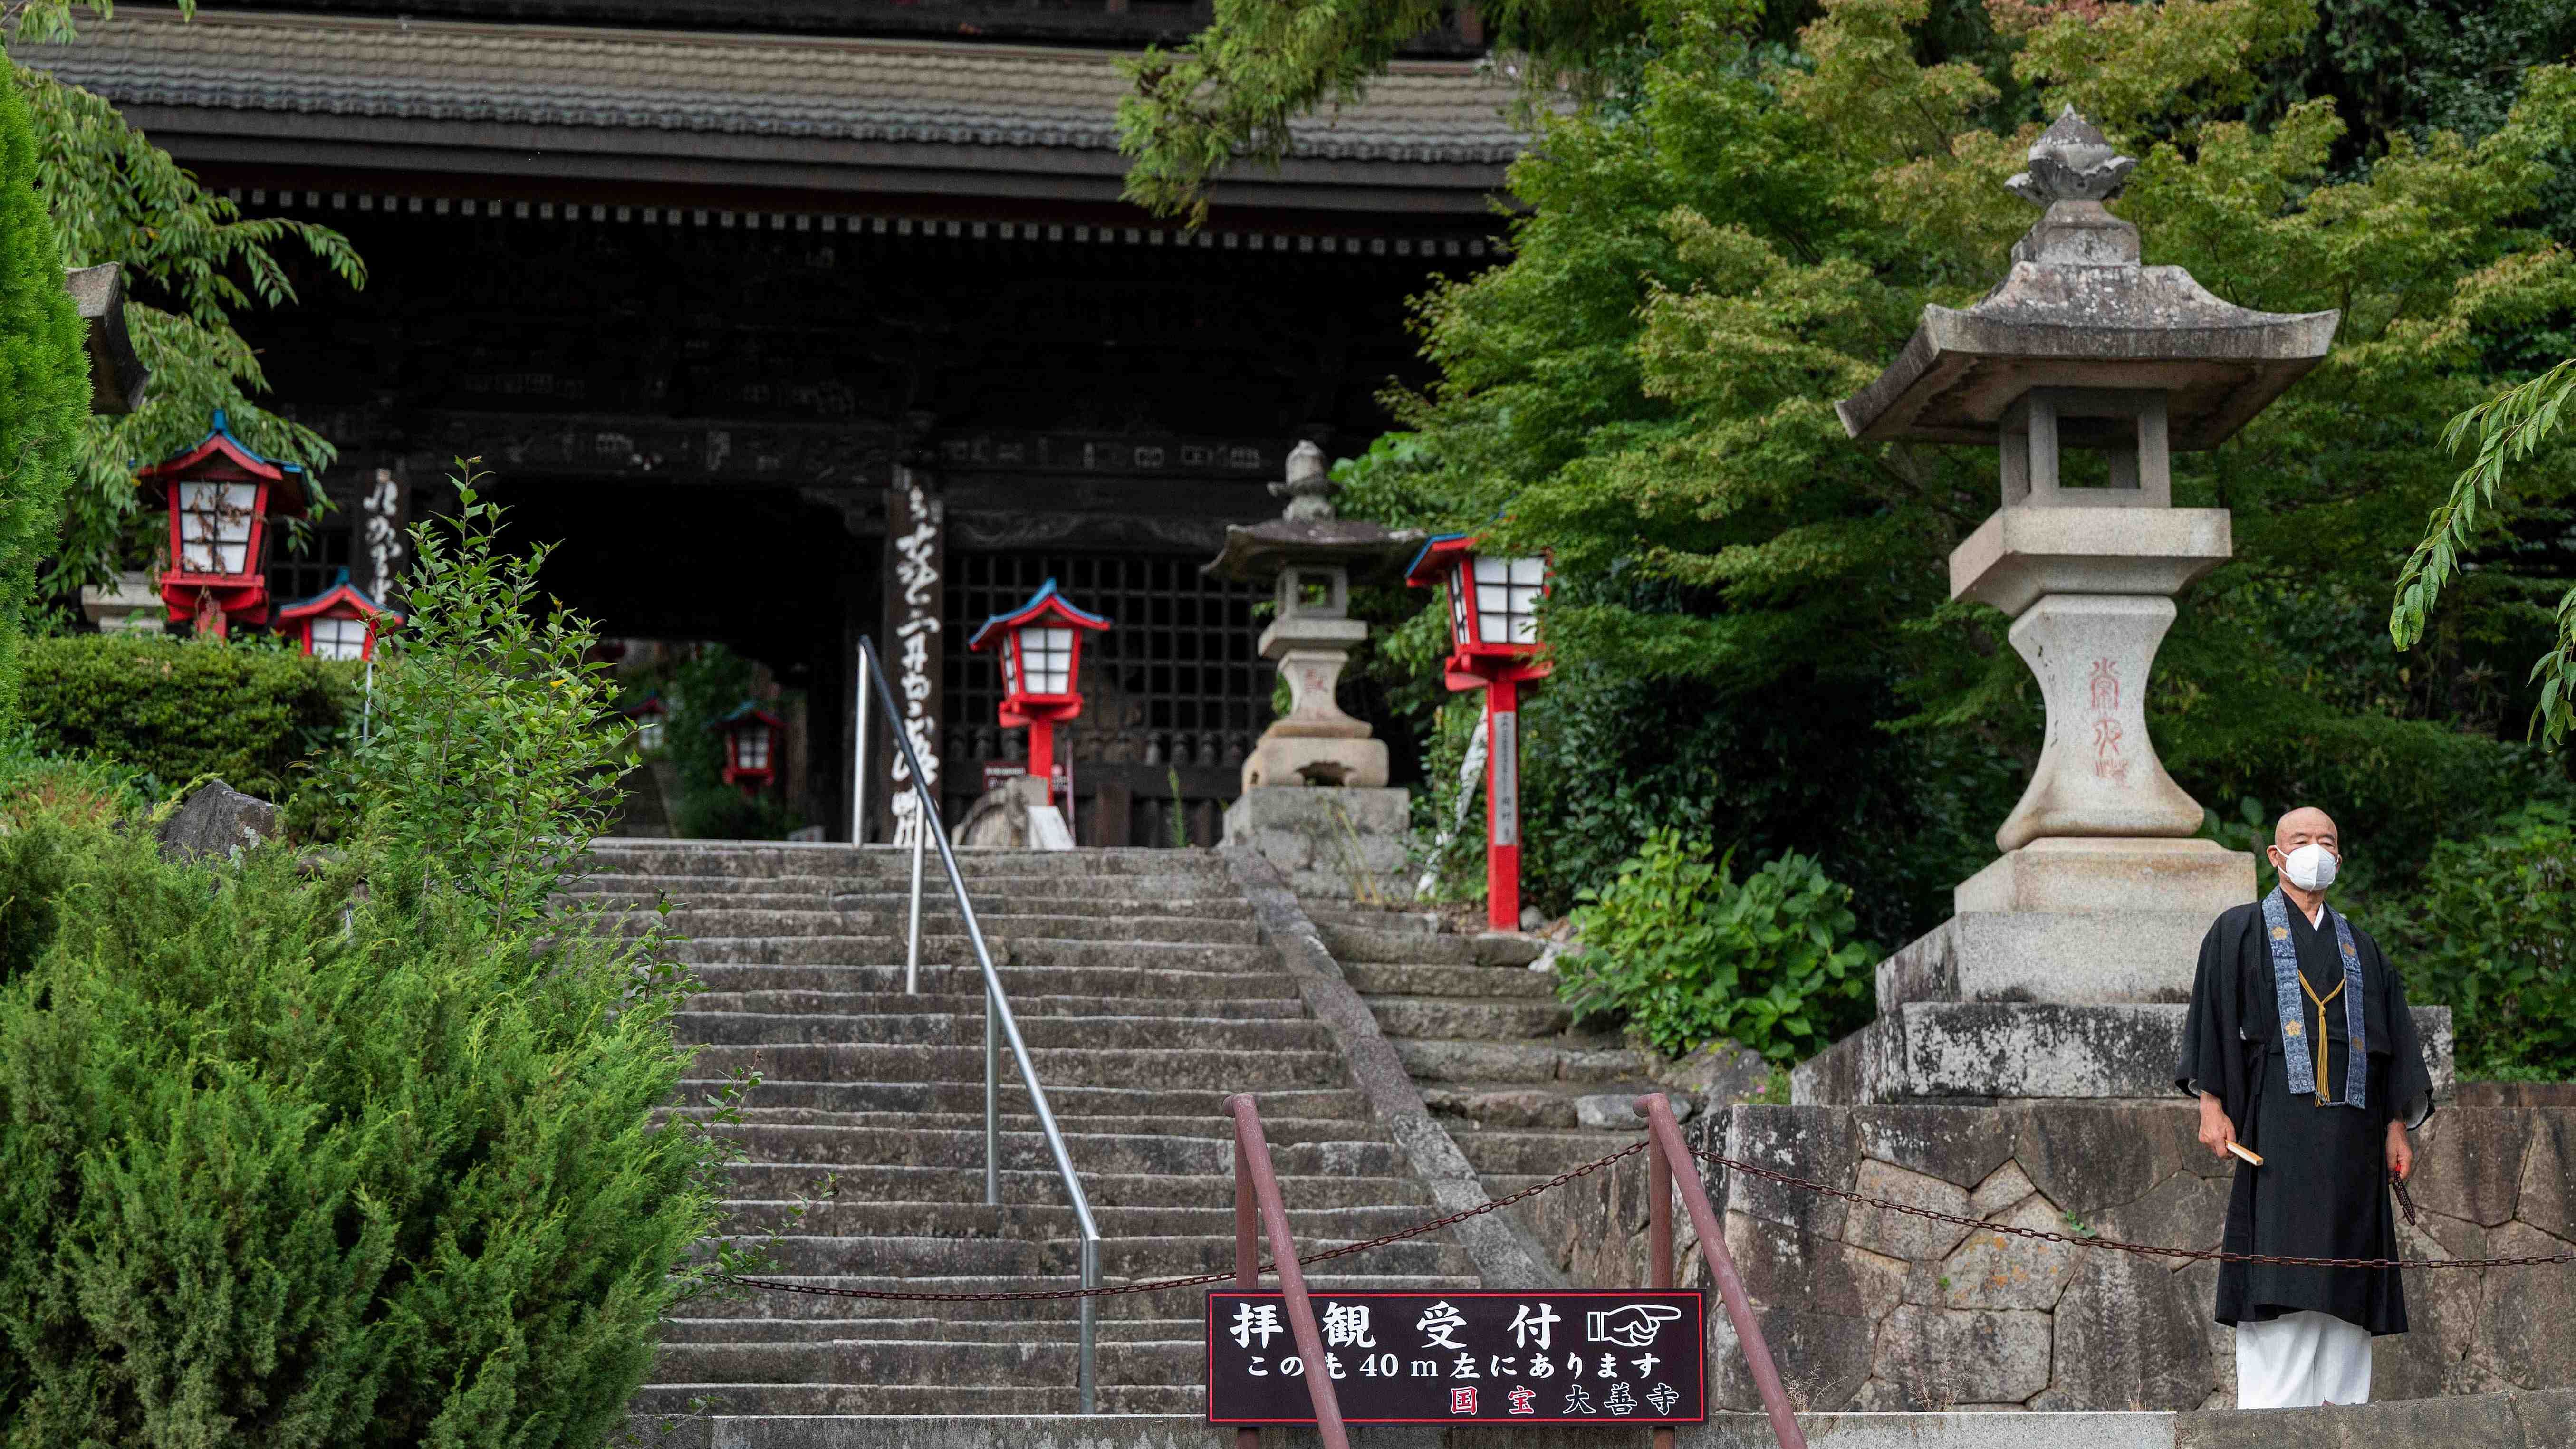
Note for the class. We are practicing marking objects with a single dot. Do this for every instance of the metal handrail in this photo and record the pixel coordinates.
(1677, 1168)
(1256, 1186)
(999, 1026)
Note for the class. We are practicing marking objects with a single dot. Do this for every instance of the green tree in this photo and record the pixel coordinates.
(44, 384)
(1702, 269)
(194, 262)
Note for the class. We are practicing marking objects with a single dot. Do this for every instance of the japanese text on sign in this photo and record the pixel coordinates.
(1583, 1357)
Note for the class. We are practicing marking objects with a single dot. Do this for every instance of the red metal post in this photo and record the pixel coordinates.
(1254, 1150)
(1042, 753)
(1247, 1252)
(1684, 1168)
(1503, 804)
(1659, 1241)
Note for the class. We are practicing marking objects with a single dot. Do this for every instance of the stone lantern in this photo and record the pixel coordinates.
(1314, 787)
(2087, 371)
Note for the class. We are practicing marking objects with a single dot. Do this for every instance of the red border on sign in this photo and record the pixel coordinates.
(1207, 1310)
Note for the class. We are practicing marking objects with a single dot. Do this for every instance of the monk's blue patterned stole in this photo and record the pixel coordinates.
(2290, 1001)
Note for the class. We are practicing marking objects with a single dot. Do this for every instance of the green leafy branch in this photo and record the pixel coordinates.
(2509, 428)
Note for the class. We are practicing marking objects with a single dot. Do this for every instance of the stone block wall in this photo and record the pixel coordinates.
(1330, 842)
(1868, 1310)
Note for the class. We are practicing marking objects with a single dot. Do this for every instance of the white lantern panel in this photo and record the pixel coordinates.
(751, 747)
(1507, 594)
(339, 638)
(1046, 656)
(214, 526)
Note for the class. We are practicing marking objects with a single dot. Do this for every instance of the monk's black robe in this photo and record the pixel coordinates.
(2322, 1191)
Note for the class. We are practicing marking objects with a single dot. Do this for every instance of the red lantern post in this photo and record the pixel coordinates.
(340, 622)
(1041, 647)
(221, 496)
(1493, 646)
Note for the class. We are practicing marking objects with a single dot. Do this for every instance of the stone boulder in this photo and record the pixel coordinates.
(217, 821)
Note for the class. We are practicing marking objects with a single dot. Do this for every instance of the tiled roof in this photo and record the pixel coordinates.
(772, 86)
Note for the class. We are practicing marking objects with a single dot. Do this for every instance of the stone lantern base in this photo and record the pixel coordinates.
(1343, 843)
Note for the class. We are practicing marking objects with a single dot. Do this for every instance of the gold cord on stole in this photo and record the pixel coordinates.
(2325, 1047)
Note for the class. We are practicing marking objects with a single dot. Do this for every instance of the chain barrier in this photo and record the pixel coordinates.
(2094, 1240)
(1731, 1164)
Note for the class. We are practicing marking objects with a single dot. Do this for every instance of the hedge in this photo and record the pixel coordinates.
(179, 708)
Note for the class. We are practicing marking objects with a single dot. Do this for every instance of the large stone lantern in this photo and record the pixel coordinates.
(1314, 787)
(2086, 371)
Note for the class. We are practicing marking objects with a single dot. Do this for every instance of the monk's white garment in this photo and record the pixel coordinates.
(2300, 1360)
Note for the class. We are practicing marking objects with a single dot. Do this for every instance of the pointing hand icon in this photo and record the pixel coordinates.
(1631, 1325)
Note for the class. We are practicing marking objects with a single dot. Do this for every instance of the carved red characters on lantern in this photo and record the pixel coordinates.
(1040, 643)
(221, 497)
(753, 740)
(340, 622)
(1493, 646)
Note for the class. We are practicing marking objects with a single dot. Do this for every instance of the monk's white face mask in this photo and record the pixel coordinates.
(2311, 867)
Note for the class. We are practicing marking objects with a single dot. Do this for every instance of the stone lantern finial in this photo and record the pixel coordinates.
(1309, 488)
(2072, 161)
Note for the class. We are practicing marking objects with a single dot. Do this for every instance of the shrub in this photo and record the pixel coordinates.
(354, 1147)
(2492, 935)
(174, 709)
(1688, 954)
(280, 1168)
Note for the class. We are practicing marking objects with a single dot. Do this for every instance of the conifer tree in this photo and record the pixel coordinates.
(44, 378)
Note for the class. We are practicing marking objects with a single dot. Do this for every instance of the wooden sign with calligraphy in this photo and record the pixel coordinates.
(1616, 1358)
(916, 580)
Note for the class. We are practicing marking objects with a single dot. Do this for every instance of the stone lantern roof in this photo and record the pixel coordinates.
(2079, 310)
(1310, 535)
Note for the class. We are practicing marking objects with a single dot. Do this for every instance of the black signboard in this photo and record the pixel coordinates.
(1610, 1357)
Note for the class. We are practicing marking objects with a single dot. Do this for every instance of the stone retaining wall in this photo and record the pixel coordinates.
(1875, 1311)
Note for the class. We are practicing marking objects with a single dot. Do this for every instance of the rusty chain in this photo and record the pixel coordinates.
(2094, 1240)
(1731, 1164)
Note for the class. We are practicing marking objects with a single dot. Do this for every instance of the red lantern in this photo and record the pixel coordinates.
(221, 496)
(1494, 646)
(754, 739)
(650, 715)
(1041, 647)
(340, 622)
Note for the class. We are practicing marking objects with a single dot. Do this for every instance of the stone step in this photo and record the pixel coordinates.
(1234, 1071)
(1537, 1153)
(1037, 1222)
(1190, 1302)
(1452, 1018)
(850, 1147)
(719, 1330)
(1128, 1259)
(1492, 948)
(1382, 978)
(774, 860)
(1071, 1101)
(718, 924)
(1450, 1060)
(2476, 1420)
(762, 1181)
(871, 1361)
(1507, 1104)
(1202, 1033)
(1279, 1130)
(1048, 898)
(1343, 913)
(1021, 982)
(957, 951)
(949, 1401)
(1031, 1007)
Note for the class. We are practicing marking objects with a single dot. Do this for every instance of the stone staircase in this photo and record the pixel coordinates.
(1491, 1047)
(1145, 996)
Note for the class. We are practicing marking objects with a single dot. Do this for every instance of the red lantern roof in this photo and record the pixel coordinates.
(1044, 606)
(1430, 567)
(220, 452)
(343, 600)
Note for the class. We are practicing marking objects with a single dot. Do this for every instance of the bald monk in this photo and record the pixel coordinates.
(2300, 1048)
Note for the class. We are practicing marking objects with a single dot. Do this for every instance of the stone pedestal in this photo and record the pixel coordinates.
(1343, 843)
(1314, 743)
(2098, 772)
